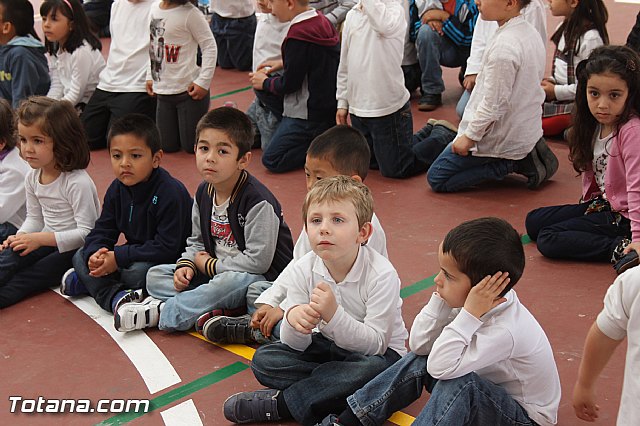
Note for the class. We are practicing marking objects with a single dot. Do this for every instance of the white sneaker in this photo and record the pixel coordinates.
(138, 315)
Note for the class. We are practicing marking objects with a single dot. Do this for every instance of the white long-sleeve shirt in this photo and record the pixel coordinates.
(13, 170)
(233, 8)
(74, 76)
(369, 317)
(506, 346)
(588, 42)
(276, 294)
(128, 60)
(620, 318)
(371, 57)
(175, 36)
(334, 10)
(535, 13)
(68, 207)
(270, 33)
(503, 114)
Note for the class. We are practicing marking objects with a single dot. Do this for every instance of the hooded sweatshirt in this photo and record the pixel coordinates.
(23, 69)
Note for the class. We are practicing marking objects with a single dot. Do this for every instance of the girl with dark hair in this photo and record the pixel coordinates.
(73, 51)
(604, 147)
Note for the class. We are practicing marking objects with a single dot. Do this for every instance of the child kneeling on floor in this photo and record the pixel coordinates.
(477, 350)
(346, 290)
(238, 235)
(146, 204)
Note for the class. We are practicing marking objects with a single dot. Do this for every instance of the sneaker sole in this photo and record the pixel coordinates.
(548, 158)
(541, 171)
(63, 281)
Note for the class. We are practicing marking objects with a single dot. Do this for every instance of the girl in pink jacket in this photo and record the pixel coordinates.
(605, 148)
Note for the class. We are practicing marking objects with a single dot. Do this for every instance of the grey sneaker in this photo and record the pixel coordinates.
(225, 329)
(547, 157)
(628, 261)
(533, 169)
(251, 407)
(136, 316)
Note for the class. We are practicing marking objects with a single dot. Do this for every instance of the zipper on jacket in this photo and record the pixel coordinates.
(130, 211)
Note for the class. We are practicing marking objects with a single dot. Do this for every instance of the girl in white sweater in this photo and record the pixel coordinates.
(74, 53)
(62, 201)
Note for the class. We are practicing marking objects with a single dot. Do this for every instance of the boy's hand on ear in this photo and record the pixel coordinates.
(485, 295)
(303, 318)
(181, 278)
(323, 301)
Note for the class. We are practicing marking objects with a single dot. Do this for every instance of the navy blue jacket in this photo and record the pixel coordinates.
(23, 70)
(154, 216)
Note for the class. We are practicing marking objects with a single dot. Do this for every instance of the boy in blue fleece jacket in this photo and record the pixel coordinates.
(146, 204)
(310, 57)
(23, 66)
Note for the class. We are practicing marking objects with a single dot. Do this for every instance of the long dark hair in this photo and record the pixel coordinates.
(620, 61)
(80, 31)
(589, 14)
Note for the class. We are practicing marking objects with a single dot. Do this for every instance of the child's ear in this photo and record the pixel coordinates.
(574, 3)
(244, 161)
(156, 159)
(356, 178)
(6, 27)
(365, 233)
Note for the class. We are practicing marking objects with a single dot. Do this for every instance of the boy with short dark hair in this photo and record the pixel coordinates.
(479, 352)
(23, 67)
(310, 56)
(341, 150)
(349, 292)
(238, 234)
(146, 204)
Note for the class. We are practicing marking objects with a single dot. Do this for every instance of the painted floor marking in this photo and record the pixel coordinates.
(153, 366)
(401, 419)
(180, 392)
(182, 414)
(243, 351)
(232, 92)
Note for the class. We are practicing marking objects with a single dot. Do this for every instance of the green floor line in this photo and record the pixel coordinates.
(178, 393)
(233, 92)
(417, 287)
(525, 239)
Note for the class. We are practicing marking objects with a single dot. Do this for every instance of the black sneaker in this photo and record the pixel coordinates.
(618, 251)
(127, 296)
(71, 285)
(330, 420)
(533, 169)
(628, 261)
(251, 407)
(547, 157)
(429, 102)
(224, 329)
(202, 319)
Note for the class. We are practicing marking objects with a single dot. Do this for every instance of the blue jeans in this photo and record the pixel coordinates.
(7, 229)
(466, 400)
(265, 121)
(435, 50)
(565, 232)
(390, 139)
(103, 289)
(452, 172)
(317, 381)
(462, 103)
(226, 290)
(253, 292)
(288, 147)
(22, 276)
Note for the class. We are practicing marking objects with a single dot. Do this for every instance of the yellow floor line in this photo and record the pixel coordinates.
(240, 350)
(402, 419)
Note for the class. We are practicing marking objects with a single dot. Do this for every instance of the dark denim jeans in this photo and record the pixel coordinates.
(565, 232)
(466, 400)
(397, 152)
(7, 229)
(22, 276)
(102, 289)
(435, 51)
(234, 39)
(288, 147)
(317, 381)
(452, 172)
(177, 117)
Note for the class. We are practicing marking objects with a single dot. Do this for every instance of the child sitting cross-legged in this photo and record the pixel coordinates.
(476, 349)
(346, 290)
(146, 204)
(238, 235)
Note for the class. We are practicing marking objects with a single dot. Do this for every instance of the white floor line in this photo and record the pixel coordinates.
(153, 366)
(183, 414)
